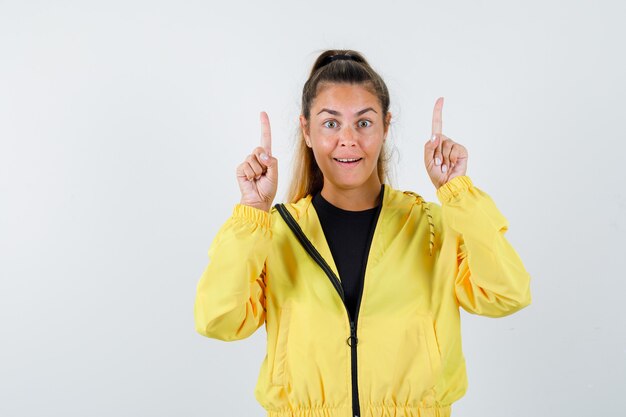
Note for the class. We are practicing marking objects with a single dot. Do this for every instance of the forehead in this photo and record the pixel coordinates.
(348, 97)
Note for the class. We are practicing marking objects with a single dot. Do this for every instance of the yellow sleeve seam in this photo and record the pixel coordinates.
(252, 214)
(453, 188)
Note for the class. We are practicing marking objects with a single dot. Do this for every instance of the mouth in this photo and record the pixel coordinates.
(347, 161)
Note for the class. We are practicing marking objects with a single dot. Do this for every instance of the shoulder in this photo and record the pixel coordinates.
(297, 209)
(408, 211)
(408, 200)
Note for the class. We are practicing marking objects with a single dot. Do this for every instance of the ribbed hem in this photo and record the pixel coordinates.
(450, 190)
(371, 411)
(400, 411)
(312, 412)
(255, 215)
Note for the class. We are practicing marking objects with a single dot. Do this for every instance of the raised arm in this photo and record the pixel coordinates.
(491, 279)
(230, 298)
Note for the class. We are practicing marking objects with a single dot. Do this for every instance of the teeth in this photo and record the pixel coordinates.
(347, 159)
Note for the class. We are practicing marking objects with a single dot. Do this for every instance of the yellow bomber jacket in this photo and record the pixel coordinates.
(403, 356)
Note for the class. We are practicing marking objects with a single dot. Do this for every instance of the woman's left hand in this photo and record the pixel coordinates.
(444, 158)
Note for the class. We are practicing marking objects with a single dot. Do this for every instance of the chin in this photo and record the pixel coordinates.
(349, 183)
(350, 180)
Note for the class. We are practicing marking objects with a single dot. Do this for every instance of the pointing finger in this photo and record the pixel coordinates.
(437, 125)
(266, 134)
(437, 122)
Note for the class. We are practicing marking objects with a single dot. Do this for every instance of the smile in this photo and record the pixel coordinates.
(347, 160)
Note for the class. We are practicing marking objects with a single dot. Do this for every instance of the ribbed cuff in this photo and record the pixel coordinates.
(252, 214)
(451, 189)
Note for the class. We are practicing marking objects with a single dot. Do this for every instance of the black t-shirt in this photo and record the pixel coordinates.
(349, 235)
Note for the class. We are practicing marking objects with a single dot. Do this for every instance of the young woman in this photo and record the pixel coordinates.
(358, 284)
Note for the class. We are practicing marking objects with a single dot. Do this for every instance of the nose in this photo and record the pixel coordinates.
(347, 136)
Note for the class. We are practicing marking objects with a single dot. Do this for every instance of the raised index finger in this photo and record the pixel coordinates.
(437, 123)
(266, 134)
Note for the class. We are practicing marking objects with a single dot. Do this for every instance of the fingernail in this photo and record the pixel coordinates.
(433, 137)
(444, 168)
(264, 157)
(437, 161)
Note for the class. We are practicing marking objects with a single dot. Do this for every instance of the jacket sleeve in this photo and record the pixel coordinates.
(230, 296)
(491, 279)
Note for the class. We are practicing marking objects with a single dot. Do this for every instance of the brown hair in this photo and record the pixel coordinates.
(307, 178)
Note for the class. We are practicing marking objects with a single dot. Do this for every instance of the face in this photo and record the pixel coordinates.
(346, 133)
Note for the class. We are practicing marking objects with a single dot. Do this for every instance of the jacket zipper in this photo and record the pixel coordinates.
(356, 407)
(352, 341)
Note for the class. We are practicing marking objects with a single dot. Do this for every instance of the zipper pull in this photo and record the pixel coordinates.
(352, 340)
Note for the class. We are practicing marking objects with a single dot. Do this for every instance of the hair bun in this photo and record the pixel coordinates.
(337, 57)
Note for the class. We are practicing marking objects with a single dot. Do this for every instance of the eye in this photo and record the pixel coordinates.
(334, 123)
(364, 123)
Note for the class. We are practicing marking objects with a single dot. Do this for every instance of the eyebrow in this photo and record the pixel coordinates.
(336, 113)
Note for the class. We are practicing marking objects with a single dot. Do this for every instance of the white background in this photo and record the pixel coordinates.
(122, 122)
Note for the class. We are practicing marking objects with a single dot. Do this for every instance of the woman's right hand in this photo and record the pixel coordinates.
(257, 175)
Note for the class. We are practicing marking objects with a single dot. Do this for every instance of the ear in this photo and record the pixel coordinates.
(387, 124)
(305, 130)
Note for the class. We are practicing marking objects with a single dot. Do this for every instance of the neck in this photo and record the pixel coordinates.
(359, 198)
